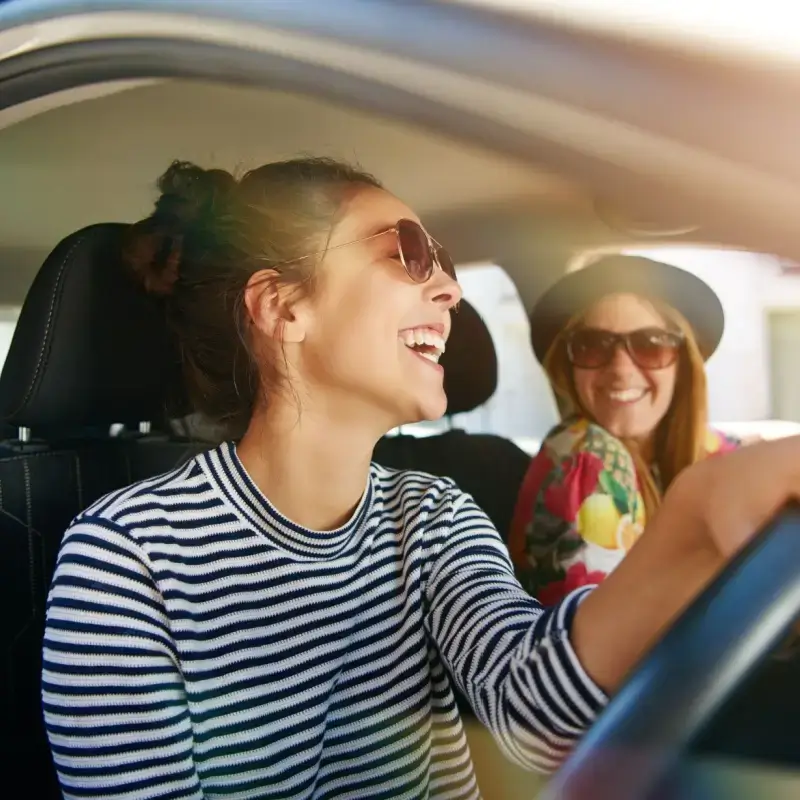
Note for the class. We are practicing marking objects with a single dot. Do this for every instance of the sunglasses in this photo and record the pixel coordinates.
(649, 348)
(419, 253)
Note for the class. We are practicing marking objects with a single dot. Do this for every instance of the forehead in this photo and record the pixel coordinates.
(623, 312)
(369, 210)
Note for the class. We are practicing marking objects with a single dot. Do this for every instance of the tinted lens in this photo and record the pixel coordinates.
(653, 349)
(590, 349)
(446, 263)
(415, 250)
(649, 348)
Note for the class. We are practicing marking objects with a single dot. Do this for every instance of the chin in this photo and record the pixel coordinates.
(635, 432)
(622, 429)
(427, 410)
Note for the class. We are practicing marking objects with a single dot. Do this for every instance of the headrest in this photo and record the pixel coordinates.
(90, 346)
(469, 361)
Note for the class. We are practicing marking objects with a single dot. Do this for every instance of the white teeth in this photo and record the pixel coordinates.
(627, 395)
(416, 337)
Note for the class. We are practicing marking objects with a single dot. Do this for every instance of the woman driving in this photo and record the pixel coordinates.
(624, 343)
(281, 618)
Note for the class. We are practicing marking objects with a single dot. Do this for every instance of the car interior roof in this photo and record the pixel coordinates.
(114, 139)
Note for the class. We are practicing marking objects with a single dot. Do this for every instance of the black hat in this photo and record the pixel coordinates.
(577, 291)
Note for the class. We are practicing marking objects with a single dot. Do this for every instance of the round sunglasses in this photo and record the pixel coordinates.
(649, 348)
(419, 253)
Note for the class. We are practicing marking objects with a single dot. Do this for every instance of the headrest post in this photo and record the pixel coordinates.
(145, 427)
(24, 435)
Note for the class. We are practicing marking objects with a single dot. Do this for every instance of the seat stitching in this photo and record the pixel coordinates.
(50, 315)
(5, 513)
(31, 616)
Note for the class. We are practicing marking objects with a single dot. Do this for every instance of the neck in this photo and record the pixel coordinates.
(645, 446)
(312, 468)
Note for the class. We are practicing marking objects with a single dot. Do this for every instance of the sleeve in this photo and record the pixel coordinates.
(511, 658)
(578, 513)
(719, 443)
(114, 703)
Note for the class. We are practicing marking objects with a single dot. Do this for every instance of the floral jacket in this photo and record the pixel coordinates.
(579, 510)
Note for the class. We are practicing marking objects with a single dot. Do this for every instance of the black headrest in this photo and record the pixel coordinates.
(469, 361)
(90, 346)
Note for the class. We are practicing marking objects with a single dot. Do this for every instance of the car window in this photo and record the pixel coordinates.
(522, 408)
(8, 322)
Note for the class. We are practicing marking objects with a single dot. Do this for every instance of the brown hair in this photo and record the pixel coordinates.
(680, 439)
(208, 234)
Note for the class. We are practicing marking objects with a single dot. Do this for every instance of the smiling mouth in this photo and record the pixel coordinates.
(424, 342)
(627, 396)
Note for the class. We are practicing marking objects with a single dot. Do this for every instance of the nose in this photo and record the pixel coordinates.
(444, 290)
(621, 362)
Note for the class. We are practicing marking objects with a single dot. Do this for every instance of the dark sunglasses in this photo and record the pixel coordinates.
(649, 348)
(419, 253)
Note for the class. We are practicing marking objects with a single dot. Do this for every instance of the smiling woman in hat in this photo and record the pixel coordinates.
(624, 342)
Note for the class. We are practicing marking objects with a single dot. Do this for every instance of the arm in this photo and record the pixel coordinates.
(499, 645)
(610, 633)
(513, 660)
(578, 513)
(684, 547)
(114, 704)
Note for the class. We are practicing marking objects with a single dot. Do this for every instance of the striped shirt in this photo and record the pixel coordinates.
(201, 645)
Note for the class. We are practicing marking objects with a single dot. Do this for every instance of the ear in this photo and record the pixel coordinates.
(271, 307)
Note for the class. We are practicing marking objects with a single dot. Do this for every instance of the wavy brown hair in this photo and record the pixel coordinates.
(680, 439)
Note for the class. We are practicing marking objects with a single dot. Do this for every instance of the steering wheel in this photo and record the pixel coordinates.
(677, 688)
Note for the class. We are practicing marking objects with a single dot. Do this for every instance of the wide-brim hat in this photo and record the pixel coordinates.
(577, 291)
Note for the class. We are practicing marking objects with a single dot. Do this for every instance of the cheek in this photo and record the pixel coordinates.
(663, 383)
(584, 381)
(356, 331)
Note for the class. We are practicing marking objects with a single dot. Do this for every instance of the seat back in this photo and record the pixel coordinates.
(491, 468)
(89, 350)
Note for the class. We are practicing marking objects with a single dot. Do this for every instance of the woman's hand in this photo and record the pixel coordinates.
(723, 502)
(710, 511)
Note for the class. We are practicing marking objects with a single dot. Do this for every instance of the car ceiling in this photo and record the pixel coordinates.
(697, 142)
(93, 154)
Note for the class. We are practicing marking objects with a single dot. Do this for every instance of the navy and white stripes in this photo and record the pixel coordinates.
(200, 645)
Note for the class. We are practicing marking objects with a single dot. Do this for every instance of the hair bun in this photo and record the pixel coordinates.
(190, 195)
(192, 199)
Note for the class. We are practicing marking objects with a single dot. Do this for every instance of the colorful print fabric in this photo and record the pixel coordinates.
(579, 510)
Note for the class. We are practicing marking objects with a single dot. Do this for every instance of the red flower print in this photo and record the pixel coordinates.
(577, 576)
(563, 498)
(526, 500)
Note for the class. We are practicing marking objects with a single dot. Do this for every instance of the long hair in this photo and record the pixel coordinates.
(680, 439)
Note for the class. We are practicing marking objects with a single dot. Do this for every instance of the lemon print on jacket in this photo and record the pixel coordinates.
(629, 531)
(598, 521)
(713, 441)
